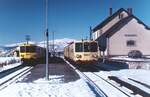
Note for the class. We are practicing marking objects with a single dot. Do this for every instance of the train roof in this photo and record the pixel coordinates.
(85, 41)
(80, 41)
(27, 44)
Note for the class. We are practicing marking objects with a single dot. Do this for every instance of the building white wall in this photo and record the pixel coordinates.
(117, 43)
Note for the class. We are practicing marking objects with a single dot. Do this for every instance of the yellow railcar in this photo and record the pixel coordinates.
(31, 52)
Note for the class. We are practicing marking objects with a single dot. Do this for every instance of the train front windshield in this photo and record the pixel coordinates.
(79, 47)
(28, 49)
(93, 47)
(86, 47)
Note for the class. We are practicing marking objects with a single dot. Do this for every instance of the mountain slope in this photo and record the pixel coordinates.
(59, 44)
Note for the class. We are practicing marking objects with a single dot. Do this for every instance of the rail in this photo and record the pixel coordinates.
(135, 89)
(89, 81)
(9, 71)
(10, 78)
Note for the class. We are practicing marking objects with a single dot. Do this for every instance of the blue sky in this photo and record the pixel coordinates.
(67, 18)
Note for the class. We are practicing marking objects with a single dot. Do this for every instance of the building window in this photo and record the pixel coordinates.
(131, 43)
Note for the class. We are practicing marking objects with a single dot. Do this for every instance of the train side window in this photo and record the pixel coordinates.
(79, 47)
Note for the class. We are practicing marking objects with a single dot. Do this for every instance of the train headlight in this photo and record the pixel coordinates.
(95, 56)
(22, 56)
(34, 55)
(78, 56)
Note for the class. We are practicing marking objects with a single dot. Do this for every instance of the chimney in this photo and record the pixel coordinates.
(129, 11)
(110, 11)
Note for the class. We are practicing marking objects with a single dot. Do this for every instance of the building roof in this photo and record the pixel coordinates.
(122, 23)
(117, 26)
(102, 24)
(111, 31)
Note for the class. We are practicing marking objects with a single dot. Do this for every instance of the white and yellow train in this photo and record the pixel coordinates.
(82, 52)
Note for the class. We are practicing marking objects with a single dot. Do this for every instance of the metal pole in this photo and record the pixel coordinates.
(53, 51)
(47, 42)
(47, 54)
(90, 33)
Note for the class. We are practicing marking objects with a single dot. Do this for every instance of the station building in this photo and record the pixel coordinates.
(121, 33)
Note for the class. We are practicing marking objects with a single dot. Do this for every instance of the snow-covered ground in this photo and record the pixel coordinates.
(9, 66)
(42, 88)
(79, 88)
(133, 63)
(56, 88)
(52, 88)
(8, 59)
(137, 74)
(126, 58)
(140, 75)
(10, 78)
(9, 62)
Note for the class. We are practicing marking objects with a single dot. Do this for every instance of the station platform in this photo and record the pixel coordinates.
(60, 71)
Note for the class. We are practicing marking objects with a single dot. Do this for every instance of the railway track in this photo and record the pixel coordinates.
(93, 86)
(135, 89)
(96, 86)
(144, 84)
(9, 71)
(13, 76)
(117, 91)
(123, 88)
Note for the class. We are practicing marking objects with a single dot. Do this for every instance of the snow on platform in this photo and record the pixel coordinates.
(44, 88)
(9, 62)
(64, 82)
(65, 73)
(8, 59)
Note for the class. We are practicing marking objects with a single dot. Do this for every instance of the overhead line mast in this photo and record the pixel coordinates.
(47, 41)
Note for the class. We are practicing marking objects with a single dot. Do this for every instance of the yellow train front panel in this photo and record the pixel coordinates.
(28, 55)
